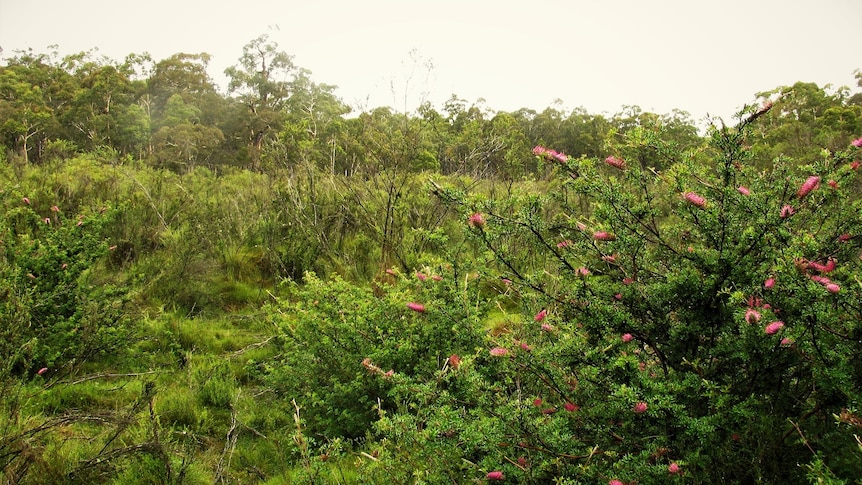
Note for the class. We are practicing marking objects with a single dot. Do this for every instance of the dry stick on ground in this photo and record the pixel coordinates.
(106, 375)
(248, 347)
(230, 443)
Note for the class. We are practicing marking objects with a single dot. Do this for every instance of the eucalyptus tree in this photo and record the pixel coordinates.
(261, 82)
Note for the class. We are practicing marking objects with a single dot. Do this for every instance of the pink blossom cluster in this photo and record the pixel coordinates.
(603, 236)
(787, 211)
(416, 307)
(808, 267)
(695, 199)
(554, 155)
(774, 327)
(499, 352)
(753, 314)
(616, 162)
(477, 220)
(810, 184)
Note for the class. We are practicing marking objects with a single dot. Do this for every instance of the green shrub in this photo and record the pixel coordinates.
(342, 347)
(673, 324)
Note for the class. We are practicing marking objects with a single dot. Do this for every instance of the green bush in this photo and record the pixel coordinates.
(343, 348)
(57, 309)
(674, 325)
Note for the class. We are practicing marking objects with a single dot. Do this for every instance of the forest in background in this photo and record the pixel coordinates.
(201, 288)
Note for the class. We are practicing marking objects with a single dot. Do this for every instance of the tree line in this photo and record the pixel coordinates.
(274, 115)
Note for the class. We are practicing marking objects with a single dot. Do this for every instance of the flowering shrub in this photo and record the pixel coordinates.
(685, 264)
(52, 313)
(344, 349)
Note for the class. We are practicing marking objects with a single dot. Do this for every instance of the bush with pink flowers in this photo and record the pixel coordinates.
(699, 386)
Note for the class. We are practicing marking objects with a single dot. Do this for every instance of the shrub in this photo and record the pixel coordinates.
(343, 348)
(658, 340)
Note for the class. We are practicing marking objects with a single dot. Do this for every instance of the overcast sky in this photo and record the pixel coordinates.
(700, 56)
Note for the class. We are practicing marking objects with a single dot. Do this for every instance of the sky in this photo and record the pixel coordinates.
(706, 57)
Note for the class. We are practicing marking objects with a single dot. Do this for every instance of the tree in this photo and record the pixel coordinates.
(262, 83)
(805, 119)
(35, 91)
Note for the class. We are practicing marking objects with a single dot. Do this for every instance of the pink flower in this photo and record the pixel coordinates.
(857, 142)
(616, 162)
(611, 258)
(627, 337)
(549, 411)
(820, 279)
(854, 164)
(26, 200)
(64, 266)
(547, 328)
(420, 276)
(673, 468)
(495, 476)
(787, 341)
(42, 371)
(774, 327)
(525, 347)
(832, 183)
(743, 190)
(537, 402)
(454, 361)
(389, 373)
(694, 199)
(564, 244)
(618, 296)
(615, 482)
(54, 208)
(603, 236)
(833, 288)
(571, 407)
(477, 220)
(810, 184)
(416, 307)
(390, 272)
(823, 268)
(769, 283)
(499, 352)
(541, 151)
(541, 315)
(639, 407)
(437, 277)
(845, 237)
(47, 220)
(787, 211)
(752, 316)
(583, 271)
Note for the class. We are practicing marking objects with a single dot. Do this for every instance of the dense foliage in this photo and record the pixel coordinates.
(262, 287)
